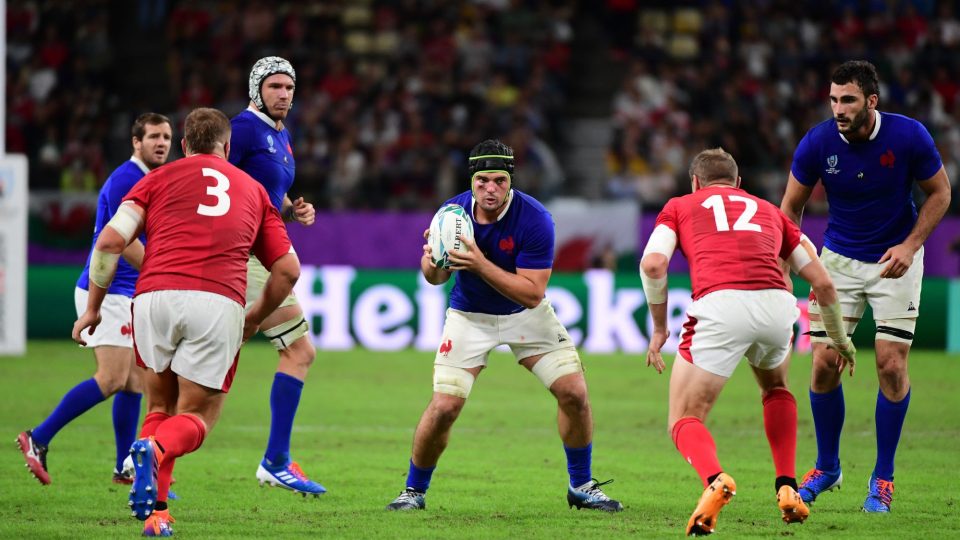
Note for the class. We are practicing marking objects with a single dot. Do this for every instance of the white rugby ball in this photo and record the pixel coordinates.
(449, 223)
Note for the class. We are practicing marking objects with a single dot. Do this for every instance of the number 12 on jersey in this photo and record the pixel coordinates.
(715, 203)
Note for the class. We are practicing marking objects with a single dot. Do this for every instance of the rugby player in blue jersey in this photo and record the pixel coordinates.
(260, 146)
(112, 343)
(498, 299)
(868, 162)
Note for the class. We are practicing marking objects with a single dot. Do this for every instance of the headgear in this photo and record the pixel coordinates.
(491, 155)
(265, 67)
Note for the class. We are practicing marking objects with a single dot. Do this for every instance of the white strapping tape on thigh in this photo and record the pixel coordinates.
(556, 364)
(899, 330)
(283, 335)
(452, 381)
(818, 332)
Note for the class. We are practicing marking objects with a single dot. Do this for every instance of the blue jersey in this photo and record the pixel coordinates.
(111, 195)
(263, 152)
(869, 184)
(521, 238)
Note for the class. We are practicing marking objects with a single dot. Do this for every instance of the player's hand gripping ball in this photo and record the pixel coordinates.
(448, 225)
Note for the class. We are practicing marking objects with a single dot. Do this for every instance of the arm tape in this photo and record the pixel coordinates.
(663, 240)
(655, 289)
(833, 322)
(126, 222)
(103, 266)
(800, 256)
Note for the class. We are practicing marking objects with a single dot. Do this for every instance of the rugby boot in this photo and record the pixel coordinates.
(703, 521)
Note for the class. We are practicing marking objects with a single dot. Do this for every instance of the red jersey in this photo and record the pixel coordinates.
(203, 218)
(731, 239)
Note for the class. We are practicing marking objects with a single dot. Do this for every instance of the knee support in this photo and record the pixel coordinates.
(283, 335)
(452, 381)
(899, 330)
(556, 364)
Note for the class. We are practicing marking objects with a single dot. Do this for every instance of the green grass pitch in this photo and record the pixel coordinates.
(503, 475)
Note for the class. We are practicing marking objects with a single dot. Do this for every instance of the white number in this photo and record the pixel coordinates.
(715, 203)
(219, 191)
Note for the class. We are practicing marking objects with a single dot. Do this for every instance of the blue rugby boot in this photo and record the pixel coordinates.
(288, 476)
(817, 481)
(409, 499)
(879, 495)
(147, 456)
(590, 496)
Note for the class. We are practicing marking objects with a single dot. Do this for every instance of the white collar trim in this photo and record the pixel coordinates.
(266, 119)
(473, 205)
(141, 164)
(876, 127)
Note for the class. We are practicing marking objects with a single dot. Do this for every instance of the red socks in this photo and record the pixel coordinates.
(177, 435)
(695, 444)
(780, 422)
(151, 422)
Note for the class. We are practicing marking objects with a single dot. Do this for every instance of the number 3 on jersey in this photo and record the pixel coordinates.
(220, 192)
(715, 203)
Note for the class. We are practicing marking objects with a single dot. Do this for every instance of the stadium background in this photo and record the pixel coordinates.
(604, 103)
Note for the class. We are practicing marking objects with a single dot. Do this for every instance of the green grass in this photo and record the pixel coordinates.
(503, 475)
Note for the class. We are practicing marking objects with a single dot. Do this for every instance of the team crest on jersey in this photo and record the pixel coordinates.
(270, 147)
(832, 164)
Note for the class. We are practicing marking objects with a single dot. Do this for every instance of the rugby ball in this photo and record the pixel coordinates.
(449, 223)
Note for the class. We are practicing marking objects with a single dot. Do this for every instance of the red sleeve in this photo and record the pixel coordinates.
(272, 241)
(791, 236)
(668, 216)
(141, 191)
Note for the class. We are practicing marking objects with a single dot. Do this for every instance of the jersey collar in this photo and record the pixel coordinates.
(266, 119)
(876, 128)
(473, 204)
(143, 166)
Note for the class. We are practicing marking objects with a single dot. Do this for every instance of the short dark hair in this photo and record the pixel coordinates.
(491, 154)
(713, 165)
(139, 128)
(204, 128)
(861, 72)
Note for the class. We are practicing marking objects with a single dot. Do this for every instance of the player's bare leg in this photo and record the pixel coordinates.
(827, 404)
(113, 368)
(575, 424)
(780, 424)
(693, 392)
(893, 400)
(296, 356)
(429, 441)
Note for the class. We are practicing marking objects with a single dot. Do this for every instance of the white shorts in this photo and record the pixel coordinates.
(468, 337)
(726, 325)
(197, 334)
(257, 275)
(115, 327)
(859, 282)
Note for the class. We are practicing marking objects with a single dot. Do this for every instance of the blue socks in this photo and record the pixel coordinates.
(126, 416)
(77, 401)
(578, 464)
(828, 413)
(284, 400)
(419, 479)
(889, 419)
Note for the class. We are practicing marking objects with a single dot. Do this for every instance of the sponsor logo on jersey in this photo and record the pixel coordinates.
(911, 307)
(270, 147)
(832, 164)
(888, 159)
(561, 338)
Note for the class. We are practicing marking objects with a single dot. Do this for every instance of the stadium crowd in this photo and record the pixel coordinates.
(391, 94)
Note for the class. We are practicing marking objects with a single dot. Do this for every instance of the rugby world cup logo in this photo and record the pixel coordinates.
(832, 164)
